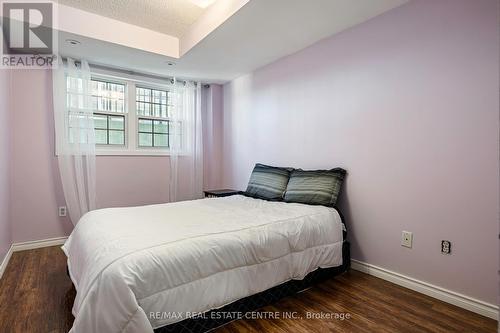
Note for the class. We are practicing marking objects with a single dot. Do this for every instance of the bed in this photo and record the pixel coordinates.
(158, 268)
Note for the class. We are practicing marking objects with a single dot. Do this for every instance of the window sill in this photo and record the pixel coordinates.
(122, 152)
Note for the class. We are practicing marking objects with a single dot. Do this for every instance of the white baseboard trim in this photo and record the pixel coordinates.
(445, 295)
(5, 261)
(30, 245)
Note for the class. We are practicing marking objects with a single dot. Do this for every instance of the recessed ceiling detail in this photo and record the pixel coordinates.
(227, 39)
(171, 17)
(230, 38)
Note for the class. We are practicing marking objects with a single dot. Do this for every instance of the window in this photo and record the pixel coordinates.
(108, 103)
(153, 110)
(131, 116)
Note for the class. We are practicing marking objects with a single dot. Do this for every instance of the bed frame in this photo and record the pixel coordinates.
(257, 301)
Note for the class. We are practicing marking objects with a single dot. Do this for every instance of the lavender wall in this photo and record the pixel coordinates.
(132, 180)
(408, 104)
(35, 186)
(36, 190)
(5, 232)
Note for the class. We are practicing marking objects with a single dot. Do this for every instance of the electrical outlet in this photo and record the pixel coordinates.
(445, 247)
(62, 211)
(406, 239)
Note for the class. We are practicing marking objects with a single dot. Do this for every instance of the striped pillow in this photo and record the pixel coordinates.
(268, 182)
(315, 187)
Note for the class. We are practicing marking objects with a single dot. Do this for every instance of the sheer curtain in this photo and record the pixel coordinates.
(186, 145)
(75, 137)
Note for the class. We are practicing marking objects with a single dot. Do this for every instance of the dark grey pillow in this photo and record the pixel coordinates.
(268, 182)
(314, 187)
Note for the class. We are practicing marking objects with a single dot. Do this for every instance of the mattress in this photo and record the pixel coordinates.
(139, 268)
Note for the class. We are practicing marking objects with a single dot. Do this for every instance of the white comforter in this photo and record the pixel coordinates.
(138, 268)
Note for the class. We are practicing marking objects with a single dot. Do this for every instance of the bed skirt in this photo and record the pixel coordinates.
(257, 301)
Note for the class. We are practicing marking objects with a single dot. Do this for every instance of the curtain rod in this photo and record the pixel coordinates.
(134, 73)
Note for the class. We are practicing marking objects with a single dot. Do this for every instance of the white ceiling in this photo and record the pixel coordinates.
(259, 33)
(171, 17)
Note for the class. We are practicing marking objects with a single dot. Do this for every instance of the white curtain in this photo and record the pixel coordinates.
(186, 145)
(75, 137)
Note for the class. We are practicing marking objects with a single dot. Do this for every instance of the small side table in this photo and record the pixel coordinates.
(220, 193)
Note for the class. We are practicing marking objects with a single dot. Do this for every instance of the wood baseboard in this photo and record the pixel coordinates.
(445, 295)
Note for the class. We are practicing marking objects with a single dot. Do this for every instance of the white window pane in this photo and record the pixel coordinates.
(151, 102)
(161, 126)
(161, 140)
(145, 140)
(109, 96)
(145, 125)
(116, 123)
(101, 137)
(100, 121)
(116, 137)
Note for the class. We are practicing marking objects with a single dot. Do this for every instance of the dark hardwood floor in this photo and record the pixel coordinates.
(37, 296)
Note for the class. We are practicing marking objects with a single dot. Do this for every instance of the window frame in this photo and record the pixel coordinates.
(138, 117)
(131, 147)
(99, 147)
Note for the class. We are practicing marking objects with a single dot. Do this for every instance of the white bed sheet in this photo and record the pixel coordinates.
(138, 268)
